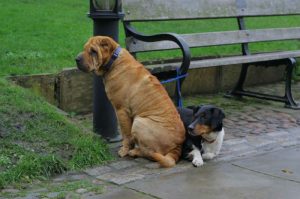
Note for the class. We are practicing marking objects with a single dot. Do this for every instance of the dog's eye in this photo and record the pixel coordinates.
(93, 52)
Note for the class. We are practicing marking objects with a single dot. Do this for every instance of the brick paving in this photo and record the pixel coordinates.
(250, 129)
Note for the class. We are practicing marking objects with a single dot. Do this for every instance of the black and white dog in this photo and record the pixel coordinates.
(204, 132)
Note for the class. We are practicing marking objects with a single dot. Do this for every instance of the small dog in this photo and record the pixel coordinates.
(204, 132)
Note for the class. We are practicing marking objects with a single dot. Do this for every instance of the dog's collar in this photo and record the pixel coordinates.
(113, 58)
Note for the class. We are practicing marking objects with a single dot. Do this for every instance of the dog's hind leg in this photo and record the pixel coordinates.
(136, 152)
(163, 160)
(143, 150)
(153, 144)
(168, 160)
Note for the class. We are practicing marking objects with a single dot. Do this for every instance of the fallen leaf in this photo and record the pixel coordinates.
(287, 171)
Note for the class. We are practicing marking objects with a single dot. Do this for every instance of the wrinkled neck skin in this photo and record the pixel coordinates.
(119, 77)
(118, 67)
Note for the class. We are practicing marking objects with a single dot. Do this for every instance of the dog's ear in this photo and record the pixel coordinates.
(106, 45)
(194, 108)
(217, 119)
(221, 114)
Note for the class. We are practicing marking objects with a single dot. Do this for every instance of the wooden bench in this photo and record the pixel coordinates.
(158, 10)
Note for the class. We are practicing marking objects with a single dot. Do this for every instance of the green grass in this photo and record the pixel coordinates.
(37, 142)
(39, 36)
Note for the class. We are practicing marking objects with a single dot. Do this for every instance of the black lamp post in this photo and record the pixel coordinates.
(106, 15)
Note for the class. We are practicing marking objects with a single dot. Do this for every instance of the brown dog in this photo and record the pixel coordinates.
(150, 124)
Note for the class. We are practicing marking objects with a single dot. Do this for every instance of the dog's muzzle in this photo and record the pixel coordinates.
(191, 130)
(79, 62)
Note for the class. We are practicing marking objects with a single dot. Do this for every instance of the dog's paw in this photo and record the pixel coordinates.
(208, 156)
(123, 152)
(134, 152)
(197, 162)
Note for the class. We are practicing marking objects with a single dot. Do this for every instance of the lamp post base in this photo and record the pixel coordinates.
(118, 138)
(106, 23)
(104, 117)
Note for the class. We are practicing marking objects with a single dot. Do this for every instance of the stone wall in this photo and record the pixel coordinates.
(75, 91)
(72, 90)
(41, 84)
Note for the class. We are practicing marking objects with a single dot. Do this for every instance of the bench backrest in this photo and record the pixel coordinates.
(158, 10)
(144, 10)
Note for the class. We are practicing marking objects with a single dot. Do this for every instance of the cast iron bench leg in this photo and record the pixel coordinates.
(290, 102)
(240, 83)
(288, 99)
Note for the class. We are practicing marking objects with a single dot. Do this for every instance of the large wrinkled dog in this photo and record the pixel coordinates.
(150, 124)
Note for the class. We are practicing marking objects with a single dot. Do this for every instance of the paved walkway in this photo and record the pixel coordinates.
(250, 178)
(259, 159)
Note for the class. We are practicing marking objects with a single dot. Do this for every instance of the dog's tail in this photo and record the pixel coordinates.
(168, 160)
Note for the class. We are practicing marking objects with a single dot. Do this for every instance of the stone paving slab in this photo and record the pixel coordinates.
(219, 181)
(295, 132)
(121, 177)
(284, 164)
(96, 171)
(123, 194)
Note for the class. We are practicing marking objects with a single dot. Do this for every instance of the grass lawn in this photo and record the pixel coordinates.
(37, 142)
(45, 36)
(39, 36)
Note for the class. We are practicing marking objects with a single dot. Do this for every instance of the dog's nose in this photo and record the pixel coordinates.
(190, 128)
(78, 58)
(79, 63)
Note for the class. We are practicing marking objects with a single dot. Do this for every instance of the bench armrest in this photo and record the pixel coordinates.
(186, 54)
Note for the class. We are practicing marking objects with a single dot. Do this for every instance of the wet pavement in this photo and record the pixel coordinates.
(258, 177)
(259, 159)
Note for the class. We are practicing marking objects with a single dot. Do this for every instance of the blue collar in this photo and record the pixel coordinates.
(113, 58)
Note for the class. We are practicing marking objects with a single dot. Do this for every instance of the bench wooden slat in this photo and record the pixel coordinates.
(217, 38)
(227, 61)
(149, 10)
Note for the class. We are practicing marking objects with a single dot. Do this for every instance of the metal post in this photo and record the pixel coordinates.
(106, 23)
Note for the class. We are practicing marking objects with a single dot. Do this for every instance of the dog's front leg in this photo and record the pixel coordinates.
(211, 150)
(125, 123)
(197, 158)
(208, 156)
